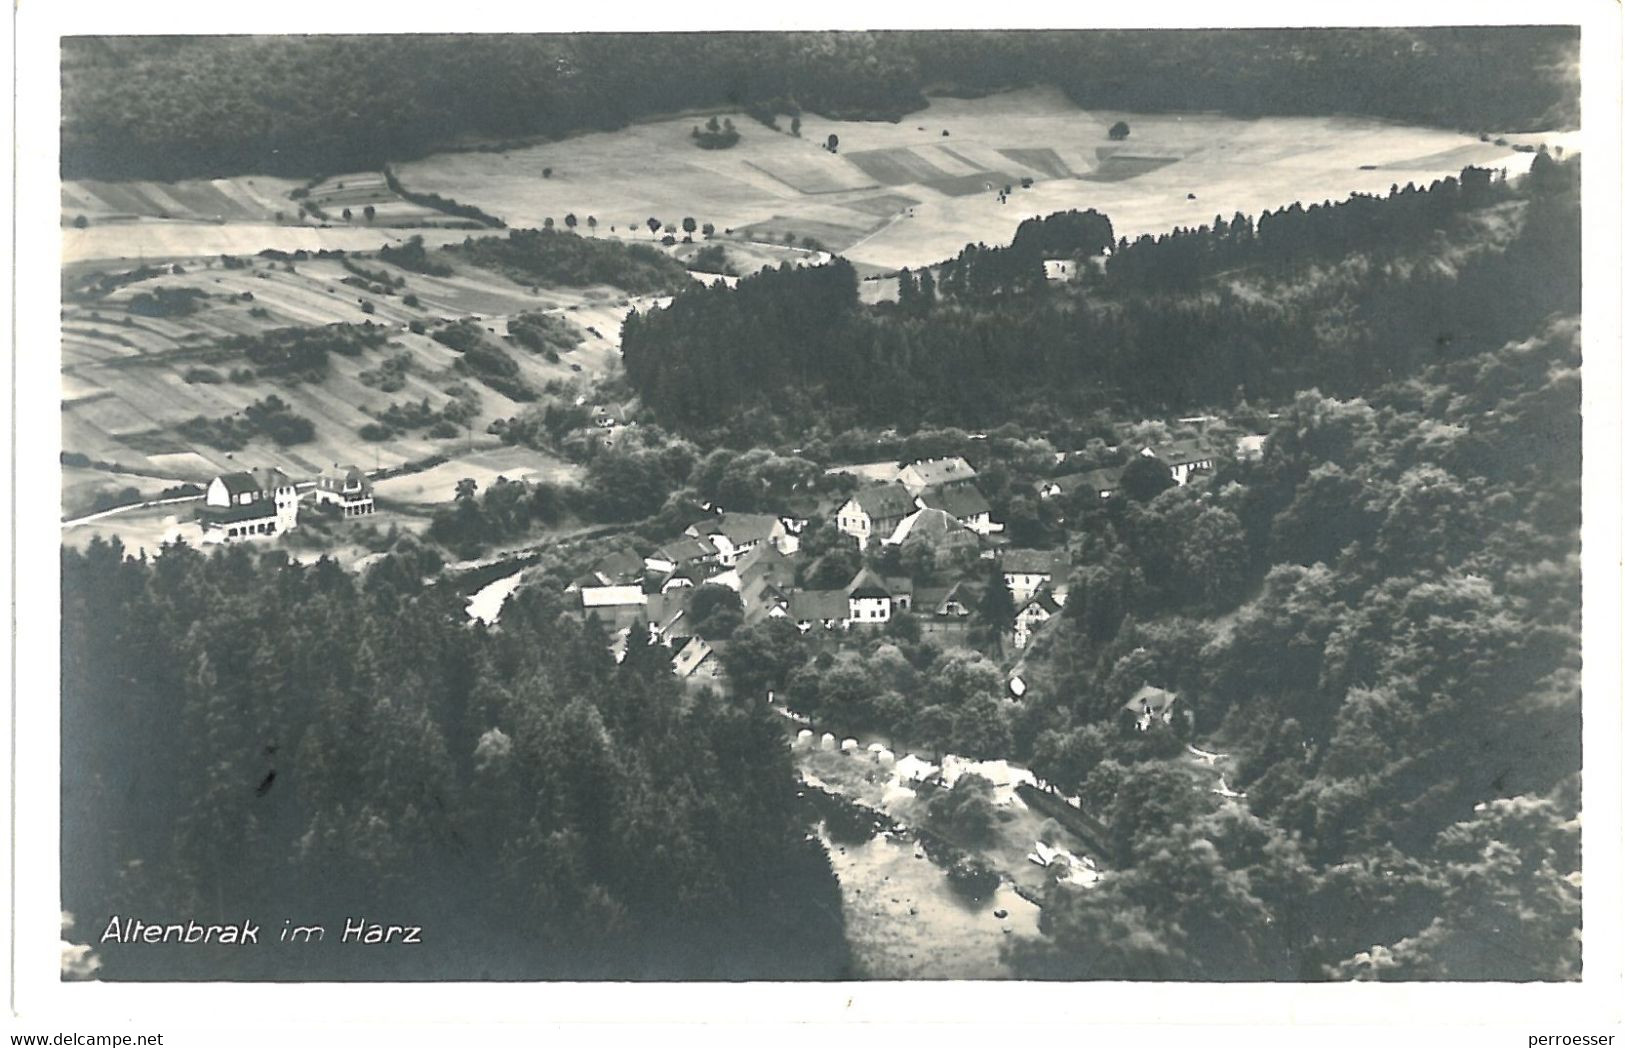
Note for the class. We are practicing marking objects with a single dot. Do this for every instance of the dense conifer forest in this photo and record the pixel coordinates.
(265, 740)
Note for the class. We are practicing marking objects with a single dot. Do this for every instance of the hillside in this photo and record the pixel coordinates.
(309, 106)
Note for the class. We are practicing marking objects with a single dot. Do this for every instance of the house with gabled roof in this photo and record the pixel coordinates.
(699, 660)
(247, 504)
(1151, 706)
(919, 476)
(1026, 570)
(667, 615)
(874, 512)
(936, 528)
(825, 609)
(869, 597)
(1039, 609)
(346, 487)
(686, 552)
(735, 534)
(965, 503)
(766, 578)
(1183, 458)
(1104, 482)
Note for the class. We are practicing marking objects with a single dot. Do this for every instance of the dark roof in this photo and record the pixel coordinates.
(740, 528)
(663, 607)
(259, 509)
(1033, 561)
(884, 501)
(867, 583)
(766, 562)
(960, 501)
(620, 565)
(931, 596)
(819, 605)
(344, 474)
(900, 586)
(1107, 478)
(1148, 698)
(685, 549)
(270, 478)
(1183, 452)
(239, 483)
(1044, 599)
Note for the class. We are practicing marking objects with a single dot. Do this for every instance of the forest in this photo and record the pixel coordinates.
(187, 107)
(273, 740)
(1340, 296)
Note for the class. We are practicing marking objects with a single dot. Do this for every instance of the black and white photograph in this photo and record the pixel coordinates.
(1045, 505)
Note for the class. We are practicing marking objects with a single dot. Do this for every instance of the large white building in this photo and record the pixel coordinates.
(259, 503)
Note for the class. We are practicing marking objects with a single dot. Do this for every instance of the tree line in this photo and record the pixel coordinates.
(1171, 325)
(179, 107)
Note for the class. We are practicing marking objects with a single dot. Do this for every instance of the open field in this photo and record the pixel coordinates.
(151, 239)
(359, 190)
(439, 484)
(247, 199)
(126, 388)
(859, 200)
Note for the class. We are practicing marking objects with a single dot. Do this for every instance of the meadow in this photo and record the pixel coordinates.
(890, 195)
(129, 380)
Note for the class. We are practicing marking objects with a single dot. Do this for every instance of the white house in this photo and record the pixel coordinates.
(735, 534)
(874, 512)
(346, 487)
(1028, 570)
(869, 599)
(1182, 457)
(1033, 614)
(249, 504)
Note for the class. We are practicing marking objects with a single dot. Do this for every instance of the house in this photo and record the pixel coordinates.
(936, 528)
(621, 568)
(935, 473)
(249, 504)
(735, 534)
(613, 597)
(869, 597)
(618, 607)
(1250, 446)
(1026, 570)
(947, 602)
(1039, 609)
(699, 660)
(1182, 457)
(1103, 482)
(688, 553)
(766, 578)
(667, 615)
(608, 416)
(874, 512)
(346, 487)
(1151, 706)
(965, 503)
(828, 609)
